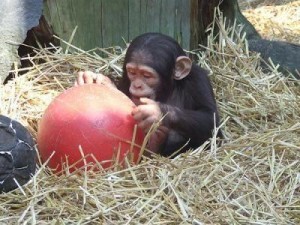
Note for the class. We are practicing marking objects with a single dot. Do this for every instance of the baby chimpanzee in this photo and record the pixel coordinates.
(164, 83)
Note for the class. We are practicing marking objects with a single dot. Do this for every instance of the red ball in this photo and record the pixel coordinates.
(95, 117)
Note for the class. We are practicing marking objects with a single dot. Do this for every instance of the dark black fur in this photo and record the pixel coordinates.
(189, 104)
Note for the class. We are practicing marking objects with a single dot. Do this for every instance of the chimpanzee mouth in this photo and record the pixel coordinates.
(136, 99)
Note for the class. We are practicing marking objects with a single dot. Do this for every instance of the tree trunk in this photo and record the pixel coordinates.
(230, 10)
(287, 55)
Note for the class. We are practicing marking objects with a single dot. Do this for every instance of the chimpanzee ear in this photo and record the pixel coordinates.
(183, 67)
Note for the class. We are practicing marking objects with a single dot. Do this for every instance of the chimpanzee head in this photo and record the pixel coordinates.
(153, 62)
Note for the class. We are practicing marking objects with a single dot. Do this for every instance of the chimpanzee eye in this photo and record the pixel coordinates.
(131, 72)
(147, 75)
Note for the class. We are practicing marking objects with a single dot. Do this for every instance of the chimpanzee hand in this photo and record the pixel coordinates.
(88, 77)
(147, 113)
(157, 139)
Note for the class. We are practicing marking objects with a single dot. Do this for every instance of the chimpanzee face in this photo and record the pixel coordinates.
(144, 81)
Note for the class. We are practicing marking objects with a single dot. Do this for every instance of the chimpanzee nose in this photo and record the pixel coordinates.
(137, 84)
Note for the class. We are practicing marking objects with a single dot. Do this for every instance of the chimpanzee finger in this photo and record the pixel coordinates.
(89, 77)
(145, 124)
(162, 130)
(142, 112)
(79, 79)
(137, 114)
(146, 101)
(101, 79)
(84, 77)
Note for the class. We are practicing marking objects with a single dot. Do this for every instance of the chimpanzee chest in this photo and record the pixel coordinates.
(17, 154)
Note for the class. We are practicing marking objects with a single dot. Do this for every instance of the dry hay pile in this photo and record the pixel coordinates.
(280, 22)
(253, 178)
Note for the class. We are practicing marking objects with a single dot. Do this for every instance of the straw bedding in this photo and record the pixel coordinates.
(253, 178)
(279, 22)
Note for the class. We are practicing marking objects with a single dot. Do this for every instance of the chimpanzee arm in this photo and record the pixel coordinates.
(196, 125)
(192, 111)
(188, 129)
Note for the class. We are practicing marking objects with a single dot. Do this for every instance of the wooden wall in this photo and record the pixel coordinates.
(105, 23)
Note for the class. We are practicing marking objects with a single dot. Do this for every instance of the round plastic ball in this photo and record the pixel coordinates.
(90, 119)
(17, 154)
